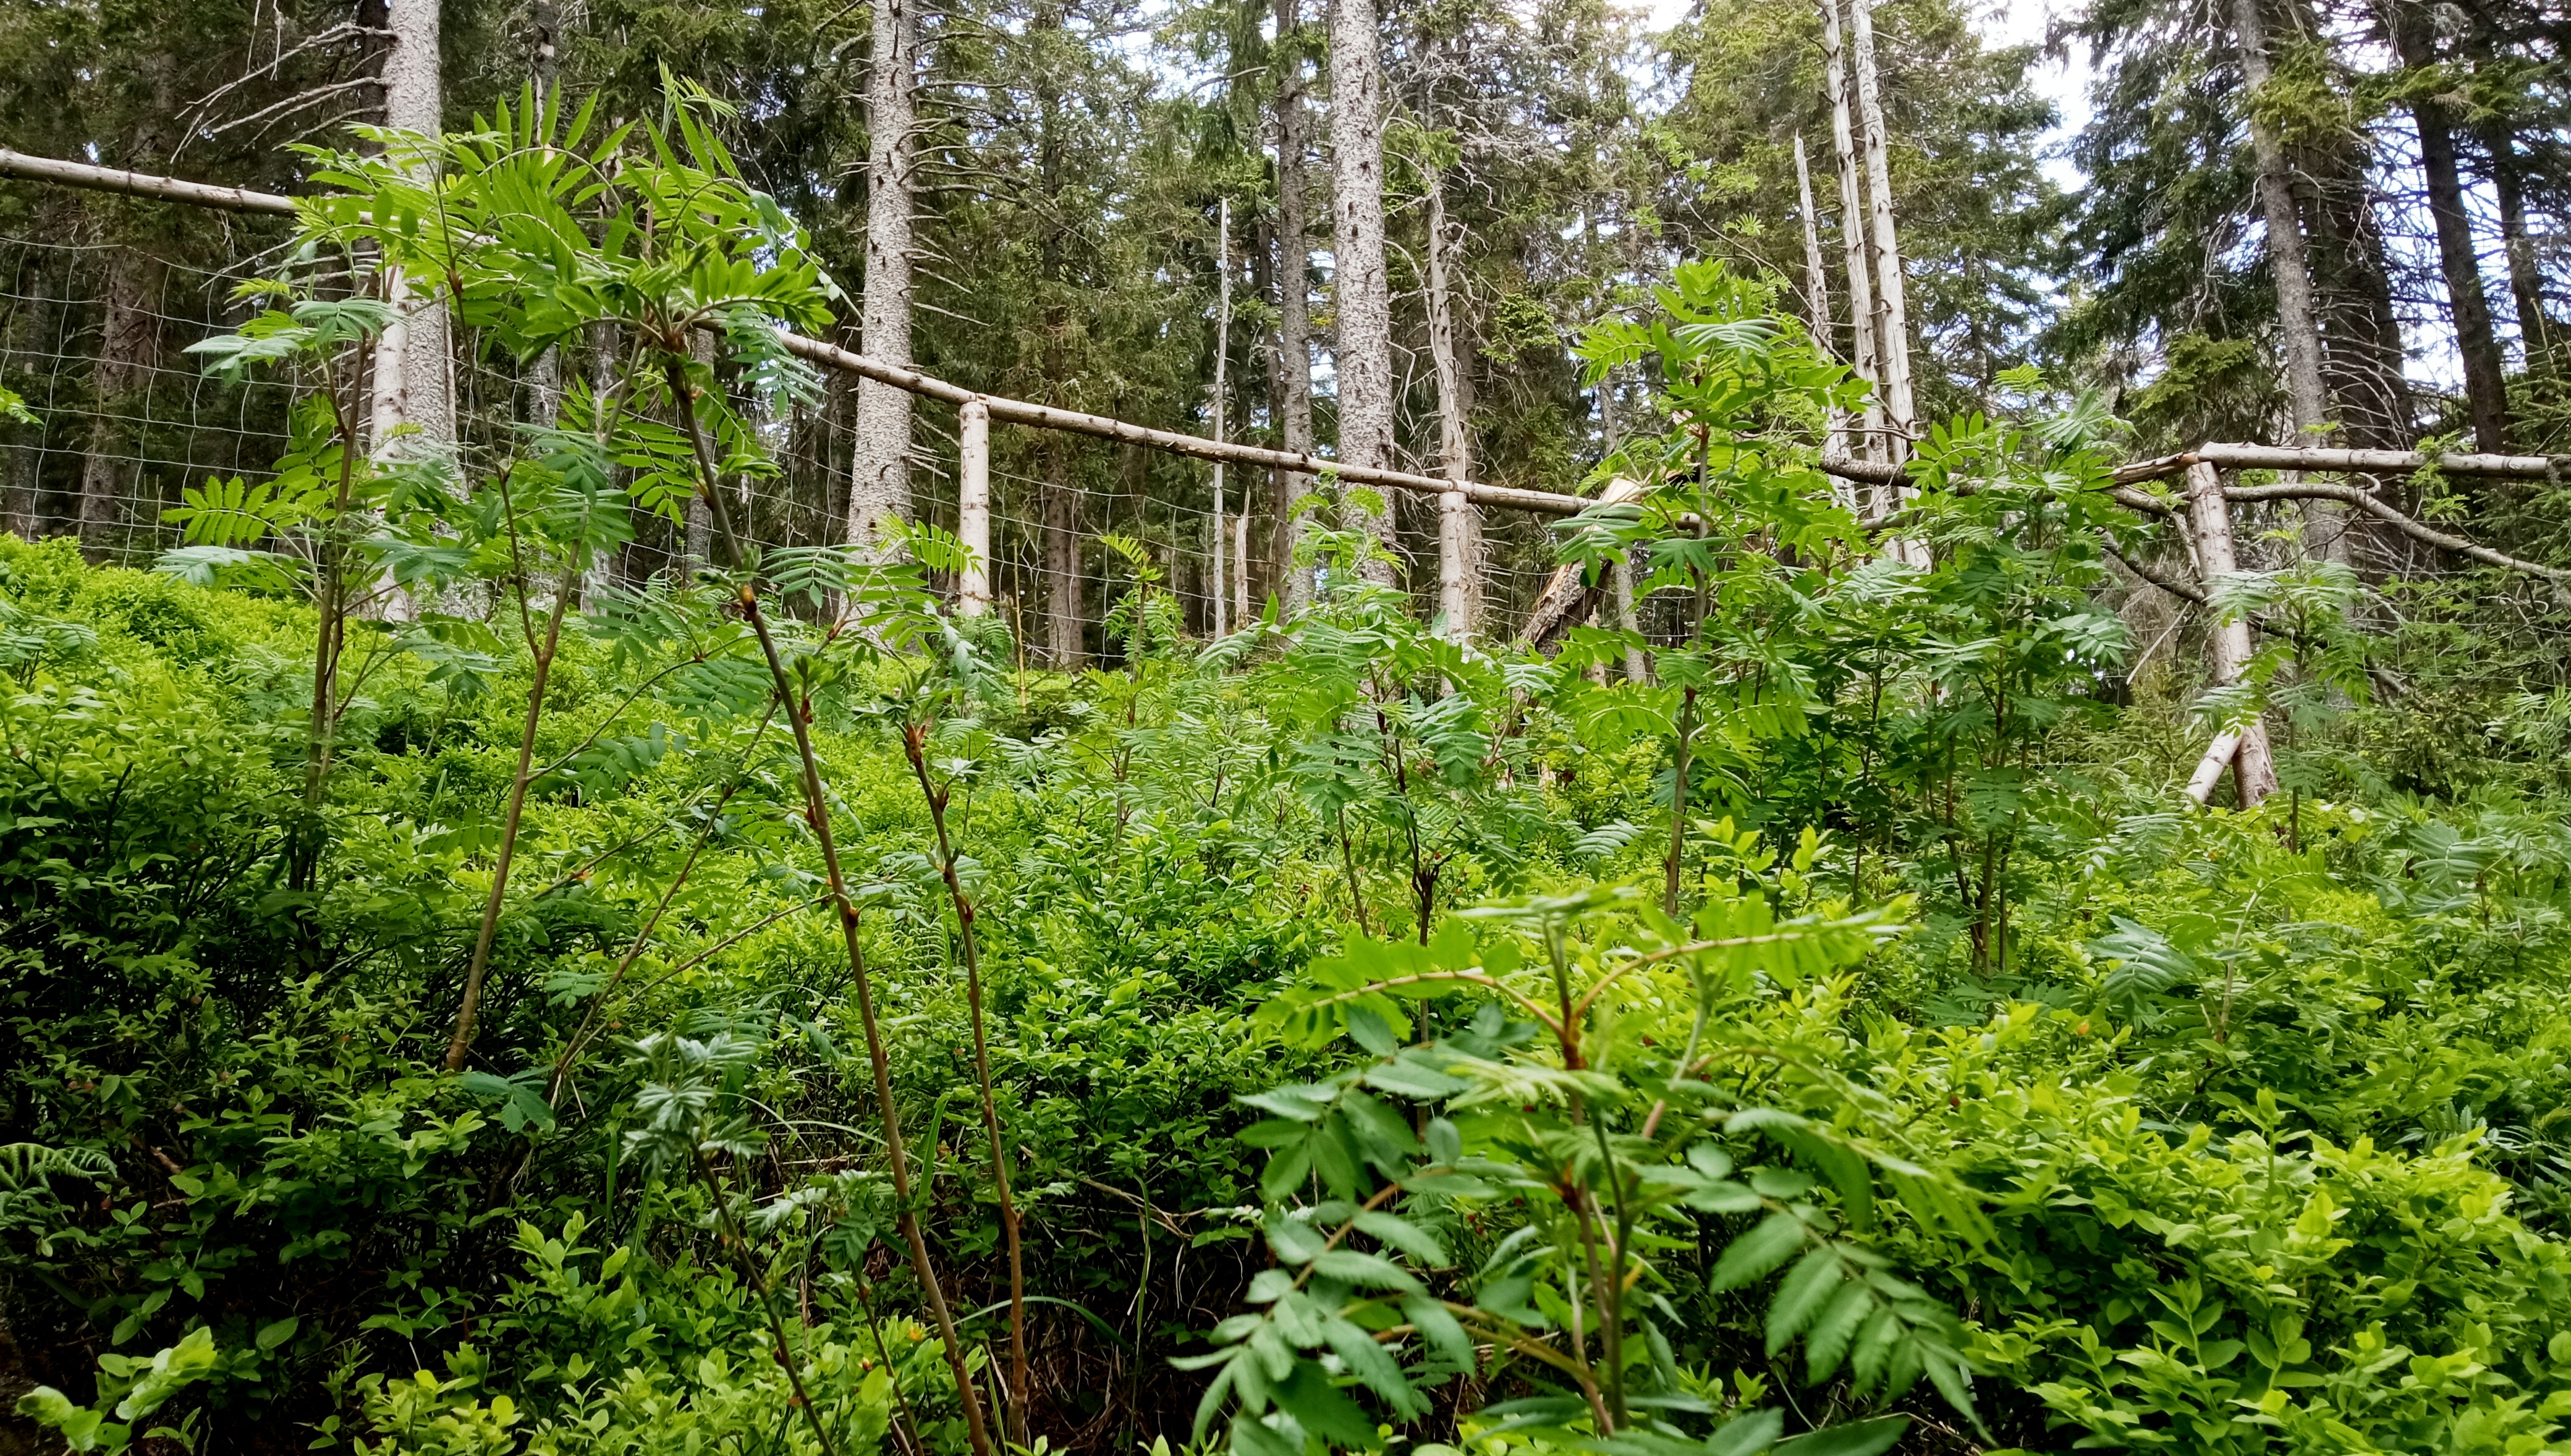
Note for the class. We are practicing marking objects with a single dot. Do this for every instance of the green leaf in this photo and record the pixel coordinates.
(1855, 1438)
(1756, 1253)
(1403, 1235)
(1365, 1270)
(1801, 1297)
(1828, 1342)
(1444, 1333)
(1295, 1240)
(1745, 1434)
(1287, 1168)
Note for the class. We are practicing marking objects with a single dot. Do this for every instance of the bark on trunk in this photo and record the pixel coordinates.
(2291, 264)
(2525, 280)
(879, 488)
(1064, 632)
(1891, 305)
(31, 329)
(414, 375)
(1359, 285)
(1294, 316)
(1862, 353)
(2485, 377)
(1459, 522)
(2210, 519)
(129, 341)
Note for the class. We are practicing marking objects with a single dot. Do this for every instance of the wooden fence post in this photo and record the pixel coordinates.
(974, 508)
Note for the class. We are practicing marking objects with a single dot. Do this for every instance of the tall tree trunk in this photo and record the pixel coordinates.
(1891, 299)
(414, 373)
(128, 346)
(32, 328)
(2485, 377)
(2525, 280)
(1817, 306)
(414, 379)
(544, 65)
(880, 485)
(1294, 293)
(2291, 264)
(2362, 341)
(1862, 353)
(1360, 288)
(1459, 524)
(1065, 633)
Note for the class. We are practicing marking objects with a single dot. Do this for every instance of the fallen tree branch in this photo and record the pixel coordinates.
(2373, 505)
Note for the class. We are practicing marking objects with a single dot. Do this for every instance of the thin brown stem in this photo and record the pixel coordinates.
(816, 803)
(914, 743)
(461, 1044)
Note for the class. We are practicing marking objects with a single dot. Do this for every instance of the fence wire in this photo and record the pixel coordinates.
(96, 340)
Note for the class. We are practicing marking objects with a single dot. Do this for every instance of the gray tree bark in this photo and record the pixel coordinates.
(879, 488)
(1066, 635)
(1459, 522)
(1293, 316)
(2298, 325)
(1862, 355)
(129, 342)
(1892, 309)
(1360, 286)
(2486, 375)
(1816, 305)
(414, 374)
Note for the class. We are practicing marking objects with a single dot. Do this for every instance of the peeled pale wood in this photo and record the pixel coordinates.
(2380, 462)
(1221, 354)
(1892, 309)
(1567, 599)
(1816, 304)
(1045, 416)
(2209, 769)
(1864, 356)
(973, 506)
(142, 184)
(2210, 519)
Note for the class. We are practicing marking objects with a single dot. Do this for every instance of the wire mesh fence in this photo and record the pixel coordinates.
(96, 339)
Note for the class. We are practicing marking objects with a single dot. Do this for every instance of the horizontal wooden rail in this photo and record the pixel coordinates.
(832, 356)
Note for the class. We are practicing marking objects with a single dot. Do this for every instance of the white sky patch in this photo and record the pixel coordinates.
(2062, 79)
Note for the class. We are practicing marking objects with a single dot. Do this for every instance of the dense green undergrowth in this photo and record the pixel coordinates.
(458, 1035)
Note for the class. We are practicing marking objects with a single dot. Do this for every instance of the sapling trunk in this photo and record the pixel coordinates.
(461, 1043)
(914, 743)
(1678, 804)
(817, 807)
(330, 637)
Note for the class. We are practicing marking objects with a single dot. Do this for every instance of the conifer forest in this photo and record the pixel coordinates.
(1297, 728)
